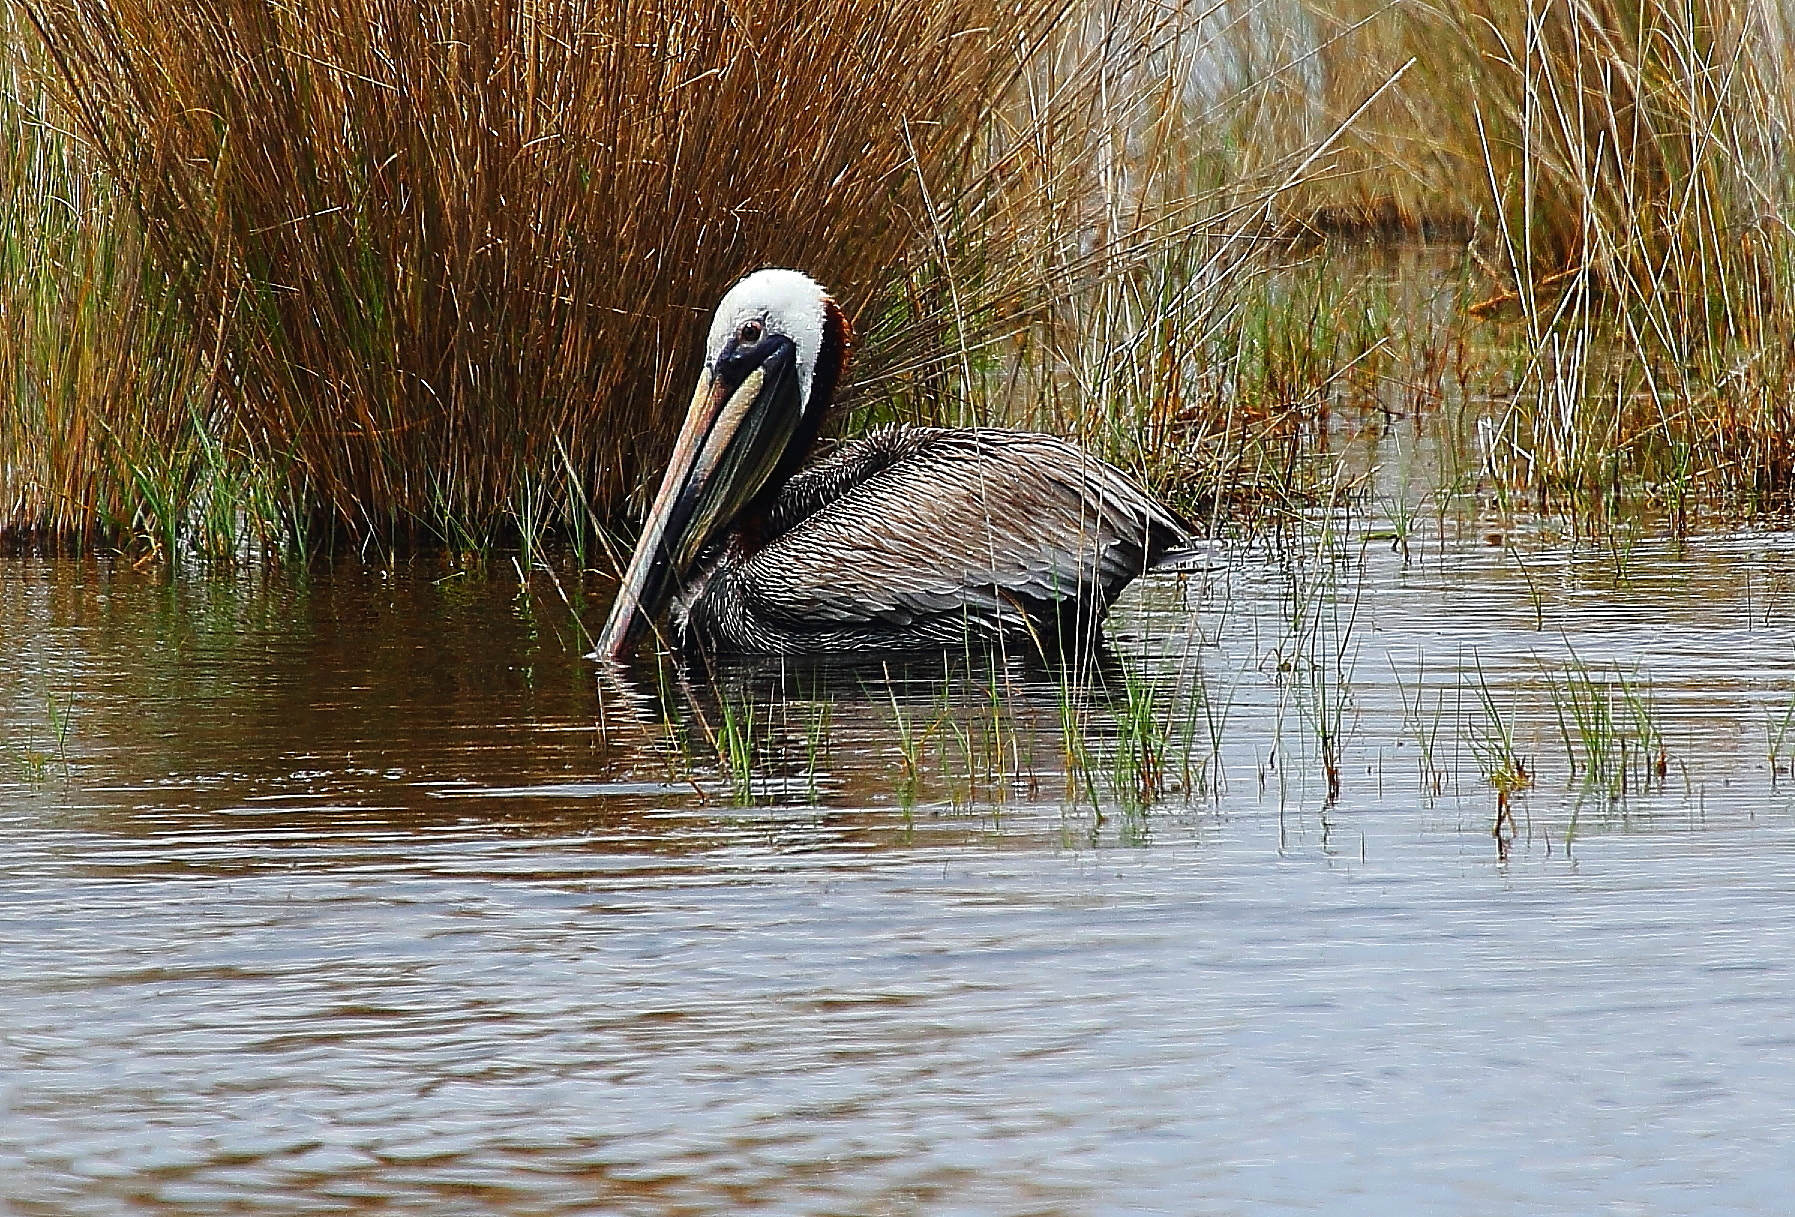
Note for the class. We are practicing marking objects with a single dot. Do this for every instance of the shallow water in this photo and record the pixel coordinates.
(338, 892)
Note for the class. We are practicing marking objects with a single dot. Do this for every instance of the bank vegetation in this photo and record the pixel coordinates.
(277, 278)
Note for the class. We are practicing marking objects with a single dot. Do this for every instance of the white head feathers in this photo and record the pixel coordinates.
(784, 302)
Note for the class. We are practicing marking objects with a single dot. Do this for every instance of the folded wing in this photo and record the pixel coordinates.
(928, 532)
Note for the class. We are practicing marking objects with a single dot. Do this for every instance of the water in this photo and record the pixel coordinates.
(336, 893)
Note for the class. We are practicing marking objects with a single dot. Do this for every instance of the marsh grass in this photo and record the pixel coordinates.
(738, 749)
(980, 741)
(1423, 723)
(447, 263)
(1609, 727)
(742, 737)
(1636, 156)
(1492, 740)
(107, 434)
(959, 739)
(911, 741)
(1173, 346)
(1140, 763)
(292, 278)
(1618, 179)
(439, 274)
(1149, 740)
(1316, 657)
(1779, 732)
(1077, 753)
(817, 747)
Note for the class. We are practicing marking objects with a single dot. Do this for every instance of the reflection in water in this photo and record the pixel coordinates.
(782, 730)
(356, 890)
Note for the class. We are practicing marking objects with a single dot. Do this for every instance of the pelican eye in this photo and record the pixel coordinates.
(749, 334)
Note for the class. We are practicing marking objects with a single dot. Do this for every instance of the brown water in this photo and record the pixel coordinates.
(334, 893)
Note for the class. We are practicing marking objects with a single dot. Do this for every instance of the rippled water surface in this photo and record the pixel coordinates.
(341, 892)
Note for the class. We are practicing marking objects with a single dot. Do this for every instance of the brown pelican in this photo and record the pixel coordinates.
(907, 538)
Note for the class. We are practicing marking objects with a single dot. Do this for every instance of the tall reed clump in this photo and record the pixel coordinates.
(443, 271)
(1638, 155)
(1627, 169)
(107, 426)
(454, 258)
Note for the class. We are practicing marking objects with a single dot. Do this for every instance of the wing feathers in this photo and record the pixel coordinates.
(962, 526)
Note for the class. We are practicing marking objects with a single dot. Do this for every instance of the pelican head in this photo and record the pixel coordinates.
(775, 348)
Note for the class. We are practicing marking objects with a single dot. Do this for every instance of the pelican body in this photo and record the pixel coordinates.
(908, 538)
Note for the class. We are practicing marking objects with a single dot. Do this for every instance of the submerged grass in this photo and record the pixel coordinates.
(1779, 731)
(1610, 730)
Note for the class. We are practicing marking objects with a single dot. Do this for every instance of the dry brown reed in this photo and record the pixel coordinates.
(455, 256)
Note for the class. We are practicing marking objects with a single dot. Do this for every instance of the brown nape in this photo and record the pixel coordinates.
(838, 343)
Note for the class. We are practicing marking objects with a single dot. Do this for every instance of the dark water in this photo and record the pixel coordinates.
(336, 894)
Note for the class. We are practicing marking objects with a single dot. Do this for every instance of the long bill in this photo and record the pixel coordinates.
(731, 442)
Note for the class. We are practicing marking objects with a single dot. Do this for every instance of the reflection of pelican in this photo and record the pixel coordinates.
(907, 538)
